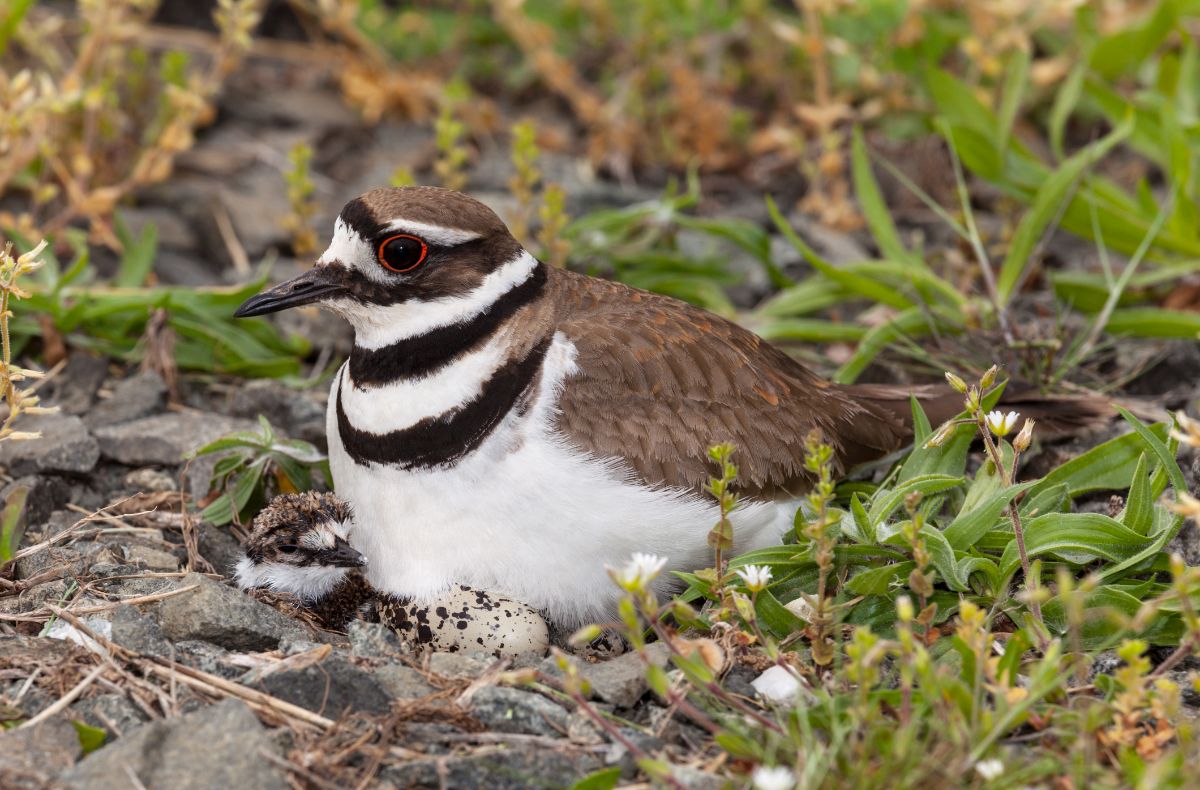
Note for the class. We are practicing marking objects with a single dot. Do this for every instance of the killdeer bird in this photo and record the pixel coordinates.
(297, 544)
(518, 428)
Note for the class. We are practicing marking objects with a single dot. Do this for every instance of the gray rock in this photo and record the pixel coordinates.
(297, 412)
(75, 388)
(206, 657)
(457, 666)
(518, 768)
(65, 446)
(223, 616)
(220, 548)
(164, 438)
(151, 558)
(66, 561)
(513, 710)
(329, 688)
(136, 631)
(622, 681)
(150, 480)
(31, 757)
(403, 682)
(138, 396)
(373, 640)
(46, 494)
(113, 713)
(214, 748)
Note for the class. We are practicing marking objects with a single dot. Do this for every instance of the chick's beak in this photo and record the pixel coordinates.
(312, 286)
(342, 555)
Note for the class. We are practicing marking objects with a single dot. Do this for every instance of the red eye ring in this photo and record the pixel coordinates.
(383, 258)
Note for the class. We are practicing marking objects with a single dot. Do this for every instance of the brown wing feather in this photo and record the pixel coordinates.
(660, 381)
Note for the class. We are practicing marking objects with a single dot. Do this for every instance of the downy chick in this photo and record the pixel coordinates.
(298, 545)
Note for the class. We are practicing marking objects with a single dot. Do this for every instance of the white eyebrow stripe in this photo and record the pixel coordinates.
(432, 234)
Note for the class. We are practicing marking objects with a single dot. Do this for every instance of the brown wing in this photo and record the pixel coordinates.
(661, 381)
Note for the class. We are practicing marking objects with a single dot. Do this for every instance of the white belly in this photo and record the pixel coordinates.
(529, 516)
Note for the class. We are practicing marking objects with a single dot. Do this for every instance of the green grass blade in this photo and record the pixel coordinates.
(1047, 204)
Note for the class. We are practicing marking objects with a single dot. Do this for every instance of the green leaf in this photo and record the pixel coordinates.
(811, 330)
(604, 779)
(1065, 102)
(1053, 499)
(1016, 76)
(944, 559)
(1048, 204)
(775, 616)
(10, 18)
(878, 581)
(137, 259)
(1076, 538)
(861, 520)
(11, 522)
(874, 209)
(1154, 322)
(855, 283)
(90, 738)
(887, 502)
(911, 322)
(1107, 467)
(969, 527)
(920, 422)
(1139, 506)
(1154, 443)
(1127, 49)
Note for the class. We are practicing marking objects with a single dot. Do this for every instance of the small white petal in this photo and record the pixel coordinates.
(755, 577)
(777, 685)
(773, 778)
(989, 769)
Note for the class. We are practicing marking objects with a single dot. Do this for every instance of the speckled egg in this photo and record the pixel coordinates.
(469, 620)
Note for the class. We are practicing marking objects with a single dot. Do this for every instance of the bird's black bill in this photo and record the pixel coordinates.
(312, 286)
(342, 555)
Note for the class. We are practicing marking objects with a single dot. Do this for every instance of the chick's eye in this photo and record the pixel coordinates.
(288, 548)
(402, 253)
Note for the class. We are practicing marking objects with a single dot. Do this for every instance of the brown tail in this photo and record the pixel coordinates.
(1056, 415)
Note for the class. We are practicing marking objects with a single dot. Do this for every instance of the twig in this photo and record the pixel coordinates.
(237, 253)
(138, 599)
(300, 771)
(66, 699)
(215, 684)
(510, 737)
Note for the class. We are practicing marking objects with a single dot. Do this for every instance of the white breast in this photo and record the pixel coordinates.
(527, 514)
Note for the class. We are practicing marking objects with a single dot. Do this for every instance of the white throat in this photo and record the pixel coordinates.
(310, 583)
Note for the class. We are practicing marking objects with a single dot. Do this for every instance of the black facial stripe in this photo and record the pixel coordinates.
(425, 354)
(361, 219)
(445, 439)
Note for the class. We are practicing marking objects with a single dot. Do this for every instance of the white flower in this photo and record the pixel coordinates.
(989, 769)
(777, 685)
(1000, 423)
(773, 778)
(640, 571)
(755, 577)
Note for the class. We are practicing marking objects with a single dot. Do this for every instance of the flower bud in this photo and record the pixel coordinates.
(989, 378)
(956, 382)
(1021, 443)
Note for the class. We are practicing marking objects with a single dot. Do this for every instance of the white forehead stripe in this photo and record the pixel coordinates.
(345, 246)
(432, 234)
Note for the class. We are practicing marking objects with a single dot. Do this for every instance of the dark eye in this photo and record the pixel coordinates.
(402, 253)
(288, 548)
